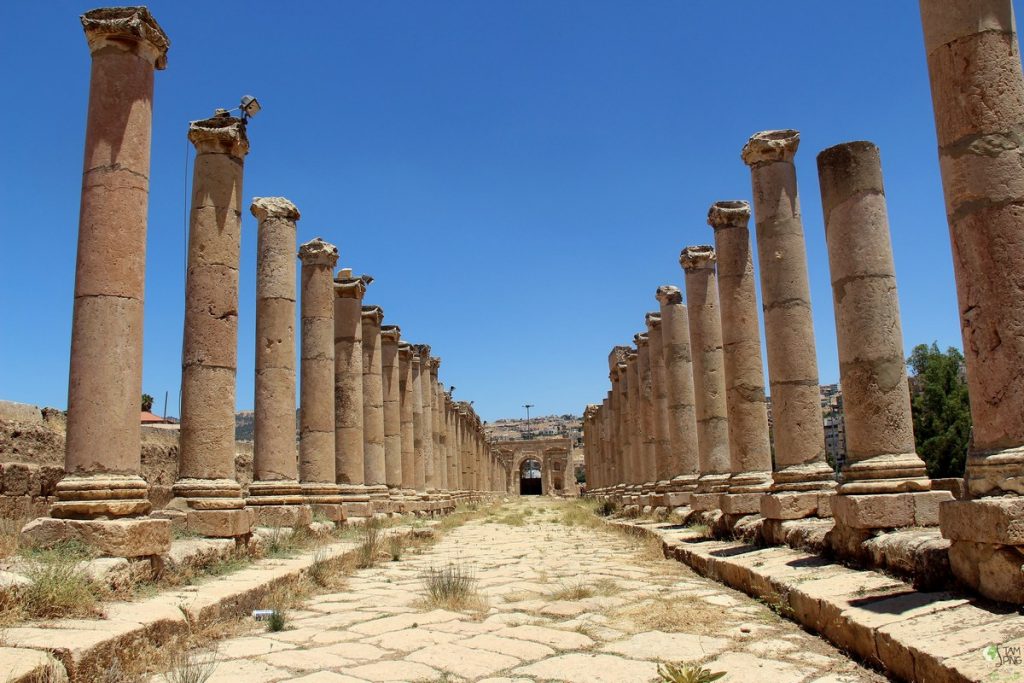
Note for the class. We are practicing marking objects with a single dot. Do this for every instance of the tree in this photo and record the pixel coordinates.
(941, 411)
(147, 402)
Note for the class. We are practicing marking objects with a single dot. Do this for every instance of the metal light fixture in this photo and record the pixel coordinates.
(250, 106)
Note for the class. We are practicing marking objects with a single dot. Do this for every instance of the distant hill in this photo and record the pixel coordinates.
(542, 426)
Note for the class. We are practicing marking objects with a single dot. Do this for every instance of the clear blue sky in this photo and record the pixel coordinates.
(519, 176)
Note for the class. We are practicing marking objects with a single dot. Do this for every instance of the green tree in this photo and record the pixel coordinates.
(147, 402)
(941, 411)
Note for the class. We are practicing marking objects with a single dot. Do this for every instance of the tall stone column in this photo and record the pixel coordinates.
(390, 336)
(620, 393)
(750, 451)
(419, 465)
(683, 459)
(881, 458)
(634, 425)
(102, 487)
(708, 376)
(648, 447)
(659, 390)
(374, 469)
(274, 493)
(607, 469)
(405, 355)
(801, 473)
(348, 392)
(440, 465)
(317, 466)
(978, 97)
(206, 460)
(429, 481)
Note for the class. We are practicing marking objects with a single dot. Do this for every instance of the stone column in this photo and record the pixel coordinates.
(683, 456)
(274, 493)
(750, 451)
(429, 481)
(317, 466)
(390, 335)
(882, 465)
(206, 460)
(663, 472)
(708, 376)
(801, 472)
(419, 466)
(978, 97)
(620, 394)
(102, 487)
(648, 446)
(440, 466)
(348, 392)
(405, 355)
(373, 410)
(634, 426)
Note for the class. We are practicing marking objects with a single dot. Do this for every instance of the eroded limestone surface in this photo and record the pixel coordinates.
(563, 603)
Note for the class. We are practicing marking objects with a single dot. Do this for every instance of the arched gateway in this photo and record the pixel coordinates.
(537, 466)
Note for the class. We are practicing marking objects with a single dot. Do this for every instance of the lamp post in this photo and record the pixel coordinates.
(528, 430)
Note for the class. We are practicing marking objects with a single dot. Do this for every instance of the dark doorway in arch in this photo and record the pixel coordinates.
(529, 478)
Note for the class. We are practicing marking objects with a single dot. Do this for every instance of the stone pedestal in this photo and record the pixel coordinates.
(978, 97)
(206, 486)
(708, 373)
(882, 467)
(800, 463)
(317, 467)
(274, 495)
(348, 392)
(750, 455)
(102, 455)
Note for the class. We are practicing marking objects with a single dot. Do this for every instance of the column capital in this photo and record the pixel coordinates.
(668, 295)
(590, 412)
(405, 350)
(373, 314)
(617, 355)
(653, 320)
(729, 214)
(435, 365)
(349, 286)
(390, 334)
(770, 146)
(219, 134)
(126, 27)
(641, 339)
(698, 257)
(276, 207)
(423, 350)
(316, 252)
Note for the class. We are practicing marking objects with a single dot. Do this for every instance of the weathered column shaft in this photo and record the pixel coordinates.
(405, 354)
(374, 468)
(648, 447)
(683, 460)
(429, 480)
(348, 390)
(390, 335)
(419, 465)
(750, 449)
(206, 459)
(635, 420)
(663, 467)
(440, 475)
(789, 329)
(880, 450)
(275, 462)
(978, 98)
(105, 383)
(708, 369)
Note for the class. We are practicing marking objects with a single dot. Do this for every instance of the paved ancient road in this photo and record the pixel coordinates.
(563, 603)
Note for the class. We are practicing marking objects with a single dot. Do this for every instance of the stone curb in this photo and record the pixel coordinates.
(86, 647)
(914, 636)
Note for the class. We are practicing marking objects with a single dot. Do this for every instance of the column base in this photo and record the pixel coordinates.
(994, 472)
(291, 516)
(784, 505)
(704, 502)
(740, 503)
(888, 510)
(987, 544)
(220, 523)
(138, 537)
(813, 476)
(355, 502)
(94, 496)
(213, 507)
(750, 482)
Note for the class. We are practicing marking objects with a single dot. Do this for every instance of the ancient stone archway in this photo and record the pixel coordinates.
(530, 483)
(553, 457)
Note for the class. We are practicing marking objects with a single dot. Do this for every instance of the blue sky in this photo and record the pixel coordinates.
(518, 177)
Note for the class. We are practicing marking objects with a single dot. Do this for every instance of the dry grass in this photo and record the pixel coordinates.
(686, 673)
(396, 544)
(671, 616)
(370, 546)
(10, 536)
(573, 591)
(452, 587)
(606, 587)
(191, 666)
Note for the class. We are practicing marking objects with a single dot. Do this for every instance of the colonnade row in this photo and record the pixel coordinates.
(377, 435)
(684, 424)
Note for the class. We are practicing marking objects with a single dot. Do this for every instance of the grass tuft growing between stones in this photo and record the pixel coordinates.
(396, 544)
(686, 673)
(370, 546)
(573, 591)
(57, 585)
(10, 536)
(452, 587)
(671, 616)
(191, 666)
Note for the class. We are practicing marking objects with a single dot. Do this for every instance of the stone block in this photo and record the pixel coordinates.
(995, 571)
(18, 479)
(703, 502)
(290, 516)
(49, 475)
(219, 523)
(874, 511)
(740, 503)
(116, 538)
(16, 507)
(677, 499)
(926, 506)
(335, 512)
(796, 504)
(984, 520)
(354, 509)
